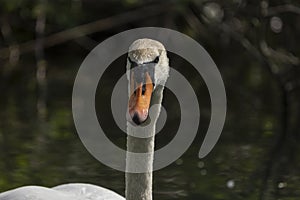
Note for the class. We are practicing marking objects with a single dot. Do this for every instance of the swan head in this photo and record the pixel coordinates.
(147, 68)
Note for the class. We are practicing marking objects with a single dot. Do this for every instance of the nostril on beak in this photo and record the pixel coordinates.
(143, 89)
(136, 119)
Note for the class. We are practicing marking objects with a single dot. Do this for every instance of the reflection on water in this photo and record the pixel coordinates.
(48, 152)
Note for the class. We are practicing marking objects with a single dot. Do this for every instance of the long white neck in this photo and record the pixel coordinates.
(139, 185)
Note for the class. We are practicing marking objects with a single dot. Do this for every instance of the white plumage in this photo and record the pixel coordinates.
(73, 191)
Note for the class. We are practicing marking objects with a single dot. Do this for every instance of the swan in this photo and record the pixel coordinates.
(147, 71)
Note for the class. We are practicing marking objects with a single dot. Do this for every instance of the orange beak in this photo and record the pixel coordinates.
(140, 98)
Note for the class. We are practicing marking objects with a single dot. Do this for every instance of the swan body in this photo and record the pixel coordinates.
(148, 69)
(74, 191)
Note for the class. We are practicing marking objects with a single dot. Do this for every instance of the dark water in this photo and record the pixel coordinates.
(48, 152)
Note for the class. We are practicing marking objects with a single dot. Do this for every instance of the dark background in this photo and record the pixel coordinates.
(255, 45)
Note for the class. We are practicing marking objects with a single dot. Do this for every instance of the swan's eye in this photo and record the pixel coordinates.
(156, 60)
(132, 63)
(129, 60)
